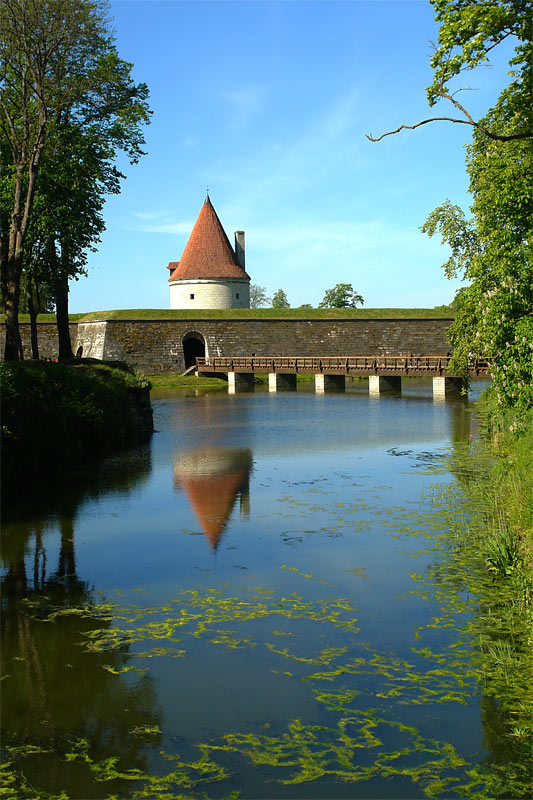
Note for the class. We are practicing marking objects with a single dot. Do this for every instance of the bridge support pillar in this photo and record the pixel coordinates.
(384, 383)
(327, 383)
(280, 381)
(442, 387)
(240, 382)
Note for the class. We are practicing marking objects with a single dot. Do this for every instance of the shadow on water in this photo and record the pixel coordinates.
(63, 707)
(69, 490)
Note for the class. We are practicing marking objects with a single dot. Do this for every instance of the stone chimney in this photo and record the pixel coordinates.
(239, 248)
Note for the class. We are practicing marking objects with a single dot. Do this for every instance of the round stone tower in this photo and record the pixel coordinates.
(210, 273)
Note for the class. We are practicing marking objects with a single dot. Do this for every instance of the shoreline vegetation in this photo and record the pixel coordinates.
(508, 490)
(440, 312)
(58, 414)
(490, 547)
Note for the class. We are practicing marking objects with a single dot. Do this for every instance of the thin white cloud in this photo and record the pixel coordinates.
(157, 222)
(246, 100)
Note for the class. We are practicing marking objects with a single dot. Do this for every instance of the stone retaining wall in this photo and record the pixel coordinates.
(155, 347)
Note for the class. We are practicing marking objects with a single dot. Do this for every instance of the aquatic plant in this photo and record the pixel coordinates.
(370, 709)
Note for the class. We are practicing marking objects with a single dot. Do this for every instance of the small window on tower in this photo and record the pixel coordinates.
(237, 296)
(192, 297)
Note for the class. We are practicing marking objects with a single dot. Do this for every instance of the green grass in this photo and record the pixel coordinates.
(509, 497)
(254, 313)
(185, 381)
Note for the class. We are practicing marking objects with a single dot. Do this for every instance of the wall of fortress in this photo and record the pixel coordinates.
(155, 347)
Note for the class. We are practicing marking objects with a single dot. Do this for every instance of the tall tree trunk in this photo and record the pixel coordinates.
(12, 268)
(63, 329)
(13, 244)
(32, 308)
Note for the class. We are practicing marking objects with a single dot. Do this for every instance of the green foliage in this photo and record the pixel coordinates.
(510, 541)
(502, 552)
(61, 131)
(56, 413)
(492, 250)
(343, 295)
(279, 299)
(469, 32)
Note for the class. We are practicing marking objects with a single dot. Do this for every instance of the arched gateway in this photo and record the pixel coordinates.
(193, 348)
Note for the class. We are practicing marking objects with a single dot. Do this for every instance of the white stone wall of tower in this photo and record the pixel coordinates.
(209, 294)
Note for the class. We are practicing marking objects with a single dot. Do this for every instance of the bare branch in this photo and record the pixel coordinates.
(468, 121)
(417, 125)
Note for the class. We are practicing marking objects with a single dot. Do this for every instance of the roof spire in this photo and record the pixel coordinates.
(208, 252)
(207, 194)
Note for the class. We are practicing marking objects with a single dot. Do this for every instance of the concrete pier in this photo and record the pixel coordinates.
(281, 381)
(377, 384)
(240, 382)
(327, 383)
(443, 387)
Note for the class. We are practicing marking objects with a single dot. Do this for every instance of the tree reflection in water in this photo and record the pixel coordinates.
(58, 698)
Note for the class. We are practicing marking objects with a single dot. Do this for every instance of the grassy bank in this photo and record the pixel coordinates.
(509, 491)
(479, 533)
(56, 414)
(177, 381)
(441, 312)
(501, 542)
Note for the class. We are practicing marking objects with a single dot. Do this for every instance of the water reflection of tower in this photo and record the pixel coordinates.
(213, 479)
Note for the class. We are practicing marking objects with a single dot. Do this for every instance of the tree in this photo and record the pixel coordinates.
(77, 172)
(279, 299)
(342, 295)
(492, 249)
(58, 65)
(258, 296)
(37, 293)
(468, 33)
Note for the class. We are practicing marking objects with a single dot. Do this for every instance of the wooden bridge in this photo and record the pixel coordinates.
(384, 372)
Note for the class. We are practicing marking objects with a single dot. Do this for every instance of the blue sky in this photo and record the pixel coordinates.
(267, 104)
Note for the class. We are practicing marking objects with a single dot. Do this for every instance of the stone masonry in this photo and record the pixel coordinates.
(155, 347)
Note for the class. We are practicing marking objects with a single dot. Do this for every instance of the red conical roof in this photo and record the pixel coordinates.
(208, 253)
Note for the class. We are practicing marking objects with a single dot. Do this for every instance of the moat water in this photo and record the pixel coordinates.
(251, 606)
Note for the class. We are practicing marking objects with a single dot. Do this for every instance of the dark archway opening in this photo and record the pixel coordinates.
(193, 348)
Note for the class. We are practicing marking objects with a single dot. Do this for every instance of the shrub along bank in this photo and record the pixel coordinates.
(57, 414)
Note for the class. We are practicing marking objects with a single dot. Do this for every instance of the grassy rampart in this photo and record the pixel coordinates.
(441, 312)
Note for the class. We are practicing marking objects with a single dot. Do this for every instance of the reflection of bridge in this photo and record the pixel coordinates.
(384, 372)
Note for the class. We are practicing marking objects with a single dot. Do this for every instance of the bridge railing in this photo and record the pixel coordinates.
(346, 365)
